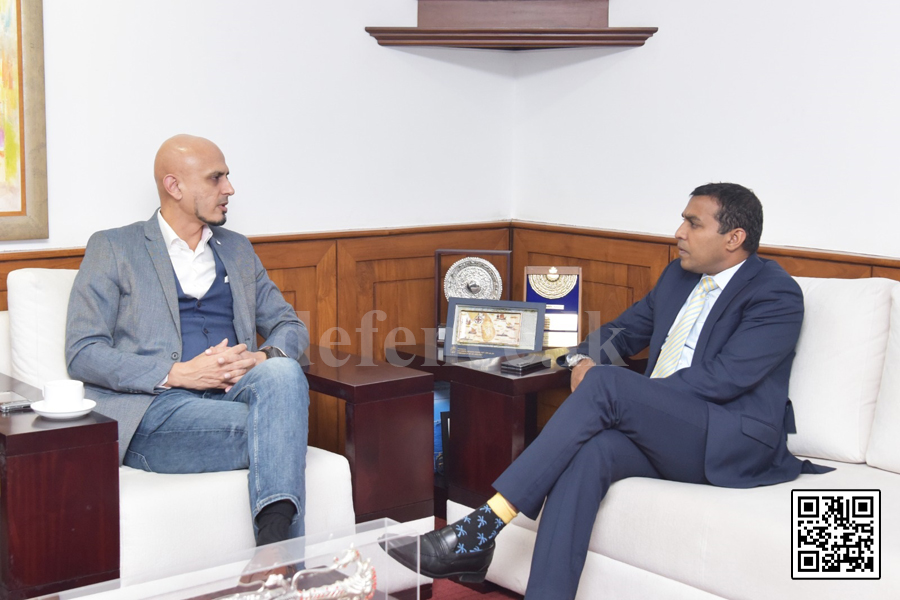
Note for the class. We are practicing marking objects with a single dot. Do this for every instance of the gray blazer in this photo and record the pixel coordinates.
(123, 331)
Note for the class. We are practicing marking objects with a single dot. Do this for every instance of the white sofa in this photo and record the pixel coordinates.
(662, 539)
(167, 522)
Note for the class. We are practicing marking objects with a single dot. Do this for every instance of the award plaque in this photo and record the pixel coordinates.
(468, 274)
(560, 289)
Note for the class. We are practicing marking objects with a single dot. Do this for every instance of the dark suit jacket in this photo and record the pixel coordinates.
(741, 365)
(123, 331)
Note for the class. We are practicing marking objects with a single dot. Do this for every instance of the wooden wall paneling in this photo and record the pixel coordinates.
(547, 403)
(804, 263)
(395, 274)
(615, 272)
(807, 267)
(306, 274)
(326, 422)
(887, 272)
(401, 300)
(673, 252)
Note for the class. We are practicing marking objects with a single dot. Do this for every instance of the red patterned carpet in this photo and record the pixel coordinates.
(444, 589)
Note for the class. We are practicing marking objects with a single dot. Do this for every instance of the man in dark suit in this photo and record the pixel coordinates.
(162, 327)
(712, 407)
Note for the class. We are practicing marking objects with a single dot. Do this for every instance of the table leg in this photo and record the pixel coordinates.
(488, 430)
(390, 445)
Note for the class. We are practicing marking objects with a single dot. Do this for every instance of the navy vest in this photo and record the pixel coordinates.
(209, 320)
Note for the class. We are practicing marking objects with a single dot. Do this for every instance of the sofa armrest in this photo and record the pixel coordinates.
(5, 347)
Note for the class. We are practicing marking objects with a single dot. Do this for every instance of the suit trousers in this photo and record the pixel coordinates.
(261, 424)
(617, 424)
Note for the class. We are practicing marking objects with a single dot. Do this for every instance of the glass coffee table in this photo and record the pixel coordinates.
(351, 563)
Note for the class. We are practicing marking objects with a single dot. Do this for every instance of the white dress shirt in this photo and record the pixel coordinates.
(721, 279)
(195, 269)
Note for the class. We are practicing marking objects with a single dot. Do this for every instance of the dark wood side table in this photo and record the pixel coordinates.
(493, 416)
(59, 501)
(389, 431)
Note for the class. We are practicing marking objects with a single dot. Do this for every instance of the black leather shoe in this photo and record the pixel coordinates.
(438, 557)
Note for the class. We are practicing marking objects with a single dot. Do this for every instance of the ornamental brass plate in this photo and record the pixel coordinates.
(473, 277)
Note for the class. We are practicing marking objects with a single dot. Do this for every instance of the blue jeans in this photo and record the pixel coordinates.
(262, 423)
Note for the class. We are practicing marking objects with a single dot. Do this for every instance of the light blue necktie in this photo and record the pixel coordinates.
(674, 345)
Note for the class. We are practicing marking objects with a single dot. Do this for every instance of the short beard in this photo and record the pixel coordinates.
(209, 221)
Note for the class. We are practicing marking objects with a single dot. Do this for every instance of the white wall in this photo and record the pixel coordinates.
(797, 99)
(325, 130)
(322, 128)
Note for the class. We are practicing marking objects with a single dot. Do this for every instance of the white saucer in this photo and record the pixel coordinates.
(40, 407)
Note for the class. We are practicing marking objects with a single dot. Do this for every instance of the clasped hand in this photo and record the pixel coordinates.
(219, 367)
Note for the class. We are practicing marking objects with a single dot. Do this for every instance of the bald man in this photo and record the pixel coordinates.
(162, 328)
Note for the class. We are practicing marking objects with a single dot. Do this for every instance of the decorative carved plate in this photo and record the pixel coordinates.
(473, 277)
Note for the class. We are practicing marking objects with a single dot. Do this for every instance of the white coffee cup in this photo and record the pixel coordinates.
(63, 395)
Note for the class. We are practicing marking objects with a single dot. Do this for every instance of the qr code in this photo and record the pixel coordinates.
(836, 534)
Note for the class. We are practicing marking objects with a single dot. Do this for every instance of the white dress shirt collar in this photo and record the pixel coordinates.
(171, 238)
(722, 278)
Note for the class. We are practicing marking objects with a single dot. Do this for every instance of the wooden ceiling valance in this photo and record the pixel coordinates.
(494, 14)
(512, 25)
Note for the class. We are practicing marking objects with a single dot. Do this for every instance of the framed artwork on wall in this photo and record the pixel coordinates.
(23, 145)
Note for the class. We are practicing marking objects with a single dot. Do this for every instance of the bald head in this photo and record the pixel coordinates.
(192, 180)
(179, 153)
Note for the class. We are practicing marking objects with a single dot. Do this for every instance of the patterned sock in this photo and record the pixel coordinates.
(476, 529)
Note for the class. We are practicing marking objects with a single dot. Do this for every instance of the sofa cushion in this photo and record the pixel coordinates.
(884, 445)
(38, 302)
(837, 370)
(732, 543)
(170, 523)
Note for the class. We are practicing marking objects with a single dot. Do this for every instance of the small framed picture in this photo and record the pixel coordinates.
(486, 328)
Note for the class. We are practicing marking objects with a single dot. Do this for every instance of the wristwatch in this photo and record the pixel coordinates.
(273, 352)
(574, 359)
